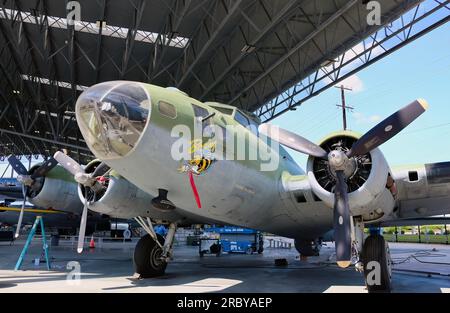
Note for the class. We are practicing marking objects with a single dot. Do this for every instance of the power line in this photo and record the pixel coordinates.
(426, 128)
(323, 119)
(343, 105)
(315, 128)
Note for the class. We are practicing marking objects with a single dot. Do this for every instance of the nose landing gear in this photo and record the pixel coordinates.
(377, 263)
(147, 258)
(374, 259)
(153, 251)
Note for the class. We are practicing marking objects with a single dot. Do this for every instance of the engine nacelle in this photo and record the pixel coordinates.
(122, 199)
(57, 190)
(368, 195)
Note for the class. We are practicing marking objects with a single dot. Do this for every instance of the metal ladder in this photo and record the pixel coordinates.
(39, 221)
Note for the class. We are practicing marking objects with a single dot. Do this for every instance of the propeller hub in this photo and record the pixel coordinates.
(25, 180)
(338, 161)
(84, 179)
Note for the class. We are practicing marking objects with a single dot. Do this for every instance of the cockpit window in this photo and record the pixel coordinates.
(247, 122)
(199, 111)
(112, 117)
(226, 111)
(241, 119)
(253, 127)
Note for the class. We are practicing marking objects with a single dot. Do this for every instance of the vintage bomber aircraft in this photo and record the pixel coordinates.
(56, 221)
(10, 189)
(348, 184)
(54, 192)
(46, 186)
(51, 192)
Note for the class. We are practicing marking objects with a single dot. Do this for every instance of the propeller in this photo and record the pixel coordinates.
(89, 181)
(29, 181)
(388, 128)
(341, 221)
(343, 163)
(293, 141)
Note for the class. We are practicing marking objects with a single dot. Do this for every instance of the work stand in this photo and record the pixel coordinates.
(39, 221)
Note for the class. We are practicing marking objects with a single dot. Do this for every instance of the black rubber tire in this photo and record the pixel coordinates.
(215, 248)
(375, 248)
(146, 257)
(307, 247)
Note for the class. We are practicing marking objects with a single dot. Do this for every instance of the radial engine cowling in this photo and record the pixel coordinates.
(57, 190)
(119, 198)
(368, 195)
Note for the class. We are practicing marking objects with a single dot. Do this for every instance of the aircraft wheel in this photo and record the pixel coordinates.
(377, 263)
(147, 257)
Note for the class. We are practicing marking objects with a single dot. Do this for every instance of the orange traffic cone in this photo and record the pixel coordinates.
(92, 243)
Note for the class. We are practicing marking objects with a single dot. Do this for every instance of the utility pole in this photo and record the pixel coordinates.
(343, 105)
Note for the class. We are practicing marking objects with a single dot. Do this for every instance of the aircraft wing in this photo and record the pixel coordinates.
(10, 192)
(423, 190)
(31, 210)
(436, 220)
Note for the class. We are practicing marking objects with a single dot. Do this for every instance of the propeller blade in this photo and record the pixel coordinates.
(83, 222)
(342, 226)
(19, 222)
(291, 140)
(388, 128)
(68, 163)
(101, 169)
(44, 168)
(194, 190)
(17, 165)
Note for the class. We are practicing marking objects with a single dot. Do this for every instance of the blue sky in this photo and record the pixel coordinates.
(418, 70)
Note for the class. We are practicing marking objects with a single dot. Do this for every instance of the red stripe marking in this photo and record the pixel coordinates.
(194, 190)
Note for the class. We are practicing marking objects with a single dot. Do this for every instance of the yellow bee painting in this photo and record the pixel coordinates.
(200, 164)
(203, 157)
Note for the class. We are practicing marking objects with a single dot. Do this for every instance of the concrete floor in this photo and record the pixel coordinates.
(109, 269)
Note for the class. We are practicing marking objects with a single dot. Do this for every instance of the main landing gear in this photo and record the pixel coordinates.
(374, 258)
(153, 251)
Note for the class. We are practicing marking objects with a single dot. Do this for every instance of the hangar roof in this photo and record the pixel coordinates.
(246, 53)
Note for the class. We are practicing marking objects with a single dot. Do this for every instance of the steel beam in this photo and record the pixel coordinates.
(205, 48)
(268, 28)
(98, 57)
(389, 39)
(129, 42)
(56, 142)
(299, 45)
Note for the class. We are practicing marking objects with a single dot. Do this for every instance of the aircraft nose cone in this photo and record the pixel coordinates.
(112, 117)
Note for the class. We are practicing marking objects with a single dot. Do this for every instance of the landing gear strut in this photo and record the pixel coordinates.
(374, 257)
(153, 251)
